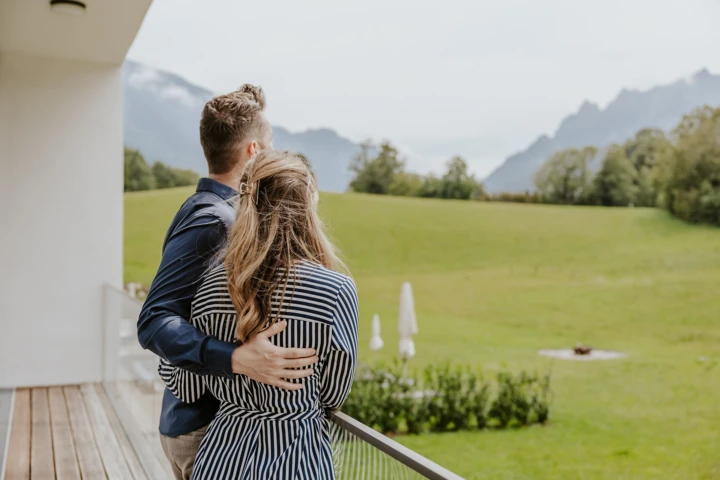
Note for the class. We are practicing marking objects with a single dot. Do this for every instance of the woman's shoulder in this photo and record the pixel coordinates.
(213, 295)
(335, 291)
(311, 274)
(214, 278)
(340, 294)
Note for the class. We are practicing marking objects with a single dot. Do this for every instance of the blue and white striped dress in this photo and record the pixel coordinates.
(264, 432)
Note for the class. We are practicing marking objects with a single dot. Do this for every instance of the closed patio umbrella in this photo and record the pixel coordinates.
(407, 324)
(376, 342)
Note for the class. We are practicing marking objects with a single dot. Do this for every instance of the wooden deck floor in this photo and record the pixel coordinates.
(89, 431)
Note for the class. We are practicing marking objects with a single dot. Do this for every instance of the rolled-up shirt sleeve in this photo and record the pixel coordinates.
(163, 325)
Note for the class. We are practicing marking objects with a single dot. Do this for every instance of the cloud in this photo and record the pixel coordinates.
(180, 94)
(144, 78)
(151, 80)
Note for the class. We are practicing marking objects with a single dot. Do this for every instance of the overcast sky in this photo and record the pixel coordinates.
(474, 77)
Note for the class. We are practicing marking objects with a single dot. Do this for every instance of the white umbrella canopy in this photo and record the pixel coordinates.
(407, 323)
(376, 342)
(407, 348)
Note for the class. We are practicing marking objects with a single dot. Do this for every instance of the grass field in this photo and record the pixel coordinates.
(494, 283)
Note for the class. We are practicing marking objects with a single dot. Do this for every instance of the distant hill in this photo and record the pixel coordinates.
(660, 107)
(162, 113)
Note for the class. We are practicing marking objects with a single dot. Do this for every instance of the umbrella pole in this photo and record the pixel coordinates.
(404, 367)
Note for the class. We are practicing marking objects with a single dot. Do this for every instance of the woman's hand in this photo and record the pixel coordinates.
(264, 362)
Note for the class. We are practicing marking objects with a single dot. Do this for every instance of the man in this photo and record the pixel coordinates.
(232, 130)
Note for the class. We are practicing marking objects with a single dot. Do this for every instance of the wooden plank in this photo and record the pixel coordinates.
(130, 456)
(153, 440)
(150, 404)
(18, 461)
(122, 400)
(141, 405)
(6, 401)
(91, 466)
(66, 462)
(42, 461)
(115, 466)
(145, 406)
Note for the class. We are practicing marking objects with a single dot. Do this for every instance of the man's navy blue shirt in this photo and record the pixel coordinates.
(196, 236)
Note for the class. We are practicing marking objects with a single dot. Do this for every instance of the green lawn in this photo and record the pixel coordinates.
(494, 283)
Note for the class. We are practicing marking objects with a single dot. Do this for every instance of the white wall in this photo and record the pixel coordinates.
(61, 211)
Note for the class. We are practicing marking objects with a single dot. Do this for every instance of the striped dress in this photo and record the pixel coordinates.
(264, 432)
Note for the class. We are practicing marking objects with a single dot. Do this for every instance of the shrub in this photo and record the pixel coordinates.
(520, 400)
(446, 398)
(540, 398)
(450, 407)
(479, 394)
(525, 197)
(376, 398)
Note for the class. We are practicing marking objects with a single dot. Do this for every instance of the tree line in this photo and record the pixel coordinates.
(139, 175)
(679, 172)
(380, 170)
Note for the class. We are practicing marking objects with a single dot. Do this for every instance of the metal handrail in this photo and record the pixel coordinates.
(118, 308)
(404, 455)
(412, 460)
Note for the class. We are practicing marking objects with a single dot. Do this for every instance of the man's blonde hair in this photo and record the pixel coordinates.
(277, 226)
(229, 120)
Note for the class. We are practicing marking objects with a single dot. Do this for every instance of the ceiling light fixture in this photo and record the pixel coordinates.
(67, 7)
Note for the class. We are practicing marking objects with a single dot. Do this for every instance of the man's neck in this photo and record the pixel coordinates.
(226, 179)
(231, 178)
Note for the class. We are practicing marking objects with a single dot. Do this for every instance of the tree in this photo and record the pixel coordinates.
(457, 183)
(646, 151)
(432, 187)
(360, 165)
(565, 177)
(164, 175)
(185, 177)
(615, 184)
(646, 147)
(138, 175)
(375, 175)
(692, 186)
(406, 184)
(385, 174)
(647, 187)
(168, 177)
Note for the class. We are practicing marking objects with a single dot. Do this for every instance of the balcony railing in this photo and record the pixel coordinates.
(124, 359)
(359, 452)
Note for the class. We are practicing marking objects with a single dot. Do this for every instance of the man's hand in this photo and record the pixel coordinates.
(264, 362)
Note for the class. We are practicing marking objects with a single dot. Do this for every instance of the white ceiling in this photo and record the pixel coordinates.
(103, 34)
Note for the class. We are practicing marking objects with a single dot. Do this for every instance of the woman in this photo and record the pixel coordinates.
(278, 267)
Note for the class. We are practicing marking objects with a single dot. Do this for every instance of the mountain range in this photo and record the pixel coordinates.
(162, 116)
(659, 107)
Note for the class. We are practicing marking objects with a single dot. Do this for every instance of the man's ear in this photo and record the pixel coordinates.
(252, 149)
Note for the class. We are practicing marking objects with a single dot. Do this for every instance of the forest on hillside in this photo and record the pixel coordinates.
(139, 175)
(679, 172)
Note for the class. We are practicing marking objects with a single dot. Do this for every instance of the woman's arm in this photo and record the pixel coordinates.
(339, 368)
(186, 386)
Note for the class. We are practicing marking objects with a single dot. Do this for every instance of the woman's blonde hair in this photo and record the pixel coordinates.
(277, 225)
